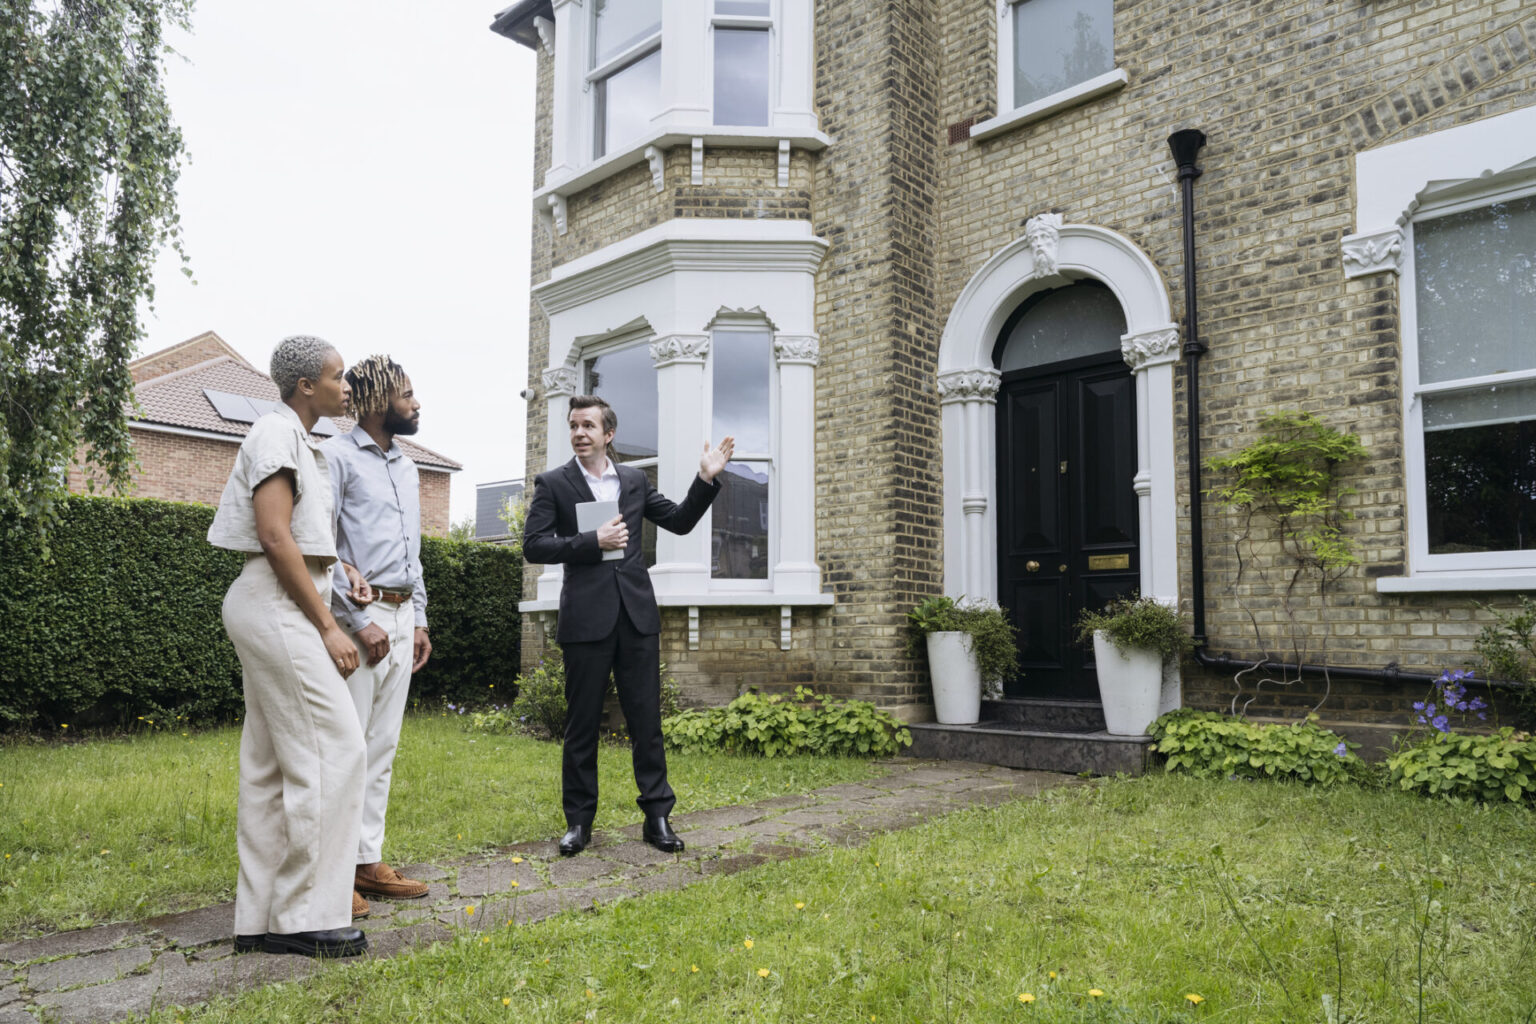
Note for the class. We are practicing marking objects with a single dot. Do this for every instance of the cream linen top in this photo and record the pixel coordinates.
(277, 441)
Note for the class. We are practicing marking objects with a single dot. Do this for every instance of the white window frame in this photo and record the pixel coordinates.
(675, 284)
(597, 78)
(1414, 392)
(1010, 116)
(1466, 166)
(755, 322)
(685, 112)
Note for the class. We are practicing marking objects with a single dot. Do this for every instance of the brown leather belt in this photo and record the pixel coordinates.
(392, 596)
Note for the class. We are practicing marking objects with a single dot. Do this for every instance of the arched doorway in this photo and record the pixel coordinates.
(1067, 530)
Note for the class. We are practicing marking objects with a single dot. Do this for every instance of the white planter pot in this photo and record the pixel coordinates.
(956, 678)
(1130, 685)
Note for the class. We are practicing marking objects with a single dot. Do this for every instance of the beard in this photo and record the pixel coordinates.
(394, 423)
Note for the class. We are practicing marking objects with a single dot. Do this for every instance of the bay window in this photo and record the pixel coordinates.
(625, 75)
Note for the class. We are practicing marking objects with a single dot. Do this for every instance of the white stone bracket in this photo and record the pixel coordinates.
(658, 161)
(783, 163)
(697, 176)
(1373, 253)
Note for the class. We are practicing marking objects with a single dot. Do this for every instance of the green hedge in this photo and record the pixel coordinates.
(124, 621)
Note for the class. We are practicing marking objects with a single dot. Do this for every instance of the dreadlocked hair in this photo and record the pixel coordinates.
(375, 382)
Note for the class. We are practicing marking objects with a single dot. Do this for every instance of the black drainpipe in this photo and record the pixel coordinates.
(1186, 144)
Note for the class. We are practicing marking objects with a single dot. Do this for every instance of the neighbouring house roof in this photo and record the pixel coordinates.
(516, 22)
(177, 398)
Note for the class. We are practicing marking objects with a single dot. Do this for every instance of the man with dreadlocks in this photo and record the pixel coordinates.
(378, 530)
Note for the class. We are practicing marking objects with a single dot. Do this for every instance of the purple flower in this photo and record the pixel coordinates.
(1341, 750)
(1440, 722)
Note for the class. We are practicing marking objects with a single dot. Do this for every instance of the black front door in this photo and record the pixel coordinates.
(1067, 518)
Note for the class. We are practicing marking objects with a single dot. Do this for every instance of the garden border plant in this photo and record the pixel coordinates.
(1286, 486)
(992, 636)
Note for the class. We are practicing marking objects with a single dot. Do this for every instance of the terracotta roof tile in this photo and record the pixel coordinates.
(177, 400)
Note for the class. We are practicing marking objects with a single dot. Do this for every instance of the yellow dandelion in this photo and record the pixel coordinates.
(1051, 975)
(517, 860)
(763, 972)
(694, 969)
(105, 852)
(1026, 997)
(470, 911)
(7, 856)
(64, 725)
(461, 835)
(591, 994)
(747, 943)
(505, 1001)
(1196, 999)
(484, 939)
(799, 906)
(1095, 992)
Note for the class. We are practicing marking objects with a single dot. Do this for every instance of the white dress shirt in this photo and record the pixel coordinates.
(605, 487)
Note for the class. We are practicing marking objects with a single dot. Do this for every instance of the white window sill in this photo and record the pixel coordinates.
(666, 138)
(1452, 582)
(1112, 81)
(545, 610)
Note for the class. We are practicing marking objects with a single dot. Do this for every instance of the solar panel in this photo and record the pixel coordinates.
(232, 407)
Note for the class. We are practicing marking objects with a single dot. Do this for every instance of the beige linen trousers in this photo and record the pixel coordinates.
(302, 763)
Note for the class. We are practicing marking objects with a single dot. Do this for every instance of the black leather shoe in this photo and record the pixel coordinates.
(659, 834)
(335, 942)
(575, 840)
(249, 943)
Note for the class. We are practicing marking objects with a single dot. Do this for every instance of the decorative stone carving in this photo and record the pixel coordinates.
(797, 348)
(560, 381)
(1044, 235)
(658, 161)
(1373, 253)
(969, 385)
(546, 30)
(679, 348)
(557, 208)
(1141, 350)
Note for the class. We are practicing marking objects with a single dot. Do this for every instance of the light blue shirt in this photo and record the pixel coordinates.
(377, 520)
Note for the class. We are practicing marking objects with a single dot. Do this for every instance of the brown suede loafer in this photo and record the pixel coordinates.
(385, 882)
(360, 908)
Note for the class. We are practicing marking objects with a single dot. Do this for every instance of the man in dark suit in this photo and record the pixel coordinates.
(609, 621)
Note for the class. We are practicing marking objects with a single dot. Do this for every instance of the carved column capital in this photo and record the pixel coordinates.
(679, 348)
(1150, 348)
(1373, 252)
(797, 348)
(969, 386)
(561, 381)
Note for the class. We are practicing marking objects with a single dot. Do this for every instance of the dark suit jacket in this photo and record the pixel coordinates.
(595, 590)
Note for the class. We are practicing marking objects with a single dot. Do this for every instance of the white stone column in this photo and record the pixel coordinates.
(796, 571)
(968, 404)
(1152, 356)
(682, 563)
(795, 46)
(566, 148)
(560, 383)
(686, 94)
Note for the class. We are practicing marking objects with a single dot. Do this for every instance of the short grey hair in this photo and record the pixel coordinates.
(298, 356)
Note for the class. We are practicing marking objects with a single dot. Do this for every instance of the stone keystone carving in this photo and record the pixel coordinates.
(1044, 235)
(1153, 346)
(1373, 253)
(797, 348)
(679, 348)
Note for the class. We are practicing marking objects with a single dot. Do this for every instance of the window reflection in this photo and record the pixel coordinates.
(743, 8)
(618, 25)
(626, 102)
(743, 364)
(626, 380)
(741, 76)
(1058, 44)
(739, 540)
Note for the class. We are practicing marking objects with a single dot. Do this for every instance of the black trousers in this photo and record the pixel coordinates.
(634, 658)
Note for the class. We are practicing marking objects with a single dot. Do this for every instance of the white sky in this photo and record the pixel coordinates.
(363, 172)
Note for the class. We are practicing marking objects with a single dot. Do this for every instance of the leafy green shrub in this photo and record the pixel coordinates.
(992, 635)
(1131, 622)
(784, 724)
(124, 620)
(1210, 745)
(472, 595)
(1491, 768)
(540, 705)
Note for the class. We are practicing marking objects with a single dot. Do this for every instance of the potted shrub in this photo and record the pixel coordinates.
(968, 646)
(1132, 638)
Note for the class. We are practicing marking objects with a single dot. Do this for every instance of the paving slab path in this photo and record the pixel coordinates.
(103, 974)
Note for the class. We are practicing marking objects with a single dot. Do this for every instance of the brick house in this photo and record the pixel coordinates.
(937, 288)
(185, 448)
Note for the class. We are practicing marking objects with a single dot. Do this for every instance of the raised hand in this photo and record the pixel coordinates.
(714, 460)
